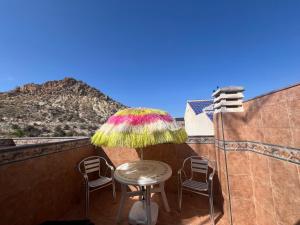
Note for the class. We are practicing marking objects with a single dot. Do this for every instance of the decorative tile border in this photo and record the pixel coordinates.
(276, 151)
(20, 153)
(201, 140)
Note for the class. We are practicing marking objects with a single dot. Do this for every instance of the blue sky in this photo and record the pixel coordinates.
(152, 53)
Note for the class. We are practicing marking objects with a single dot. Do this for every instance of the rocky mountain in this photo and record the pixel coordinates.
(65, 107)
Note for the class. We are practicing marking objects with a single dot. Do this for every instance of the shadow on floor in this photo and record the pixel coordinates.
(103, 210)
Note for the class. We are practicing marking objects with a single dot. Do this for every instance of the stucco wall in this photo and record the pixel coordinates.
(259, 157)
(40, 182)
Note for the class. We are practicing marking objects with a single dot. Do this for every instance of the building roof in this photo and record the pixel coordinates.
(200, 106)
(210, 115)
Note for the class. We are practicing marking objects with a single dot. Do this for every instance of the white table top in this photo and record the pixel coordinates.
(143, 172)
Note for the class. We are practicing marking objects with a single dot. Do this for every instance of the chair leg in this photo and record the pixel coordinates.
(211, 209)
(114, 190)
(179, 197)
(87, 201)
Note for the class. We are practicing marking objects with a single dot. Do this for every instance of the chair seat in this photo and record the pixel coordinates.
(99, 182)
(195, 185)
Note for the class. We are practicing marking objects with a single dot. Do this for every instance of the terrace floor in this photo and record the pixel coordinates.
(103, 210)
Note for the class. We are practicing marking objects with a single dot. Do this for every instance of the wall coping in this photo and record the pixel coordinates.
(25, 146)
(18, 153)
(272, 92)
(41, 140)
(63, 138)
(24, 152)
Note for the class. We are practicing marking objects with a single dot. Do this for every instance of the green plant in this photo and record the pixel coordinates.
(18, 133)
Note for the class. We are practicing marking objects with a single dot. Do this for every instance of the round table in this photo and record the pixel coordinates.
(145, 173)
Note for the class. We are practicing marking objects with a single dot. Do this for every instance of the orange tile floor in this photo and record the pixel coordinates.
(103, 210)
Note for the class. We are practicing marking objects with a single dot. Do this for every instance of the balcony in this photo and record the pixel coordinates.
(43, 177)
(257, 179)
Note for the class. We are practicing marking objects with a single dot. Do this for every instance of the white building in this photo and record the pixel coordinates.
(198, 118)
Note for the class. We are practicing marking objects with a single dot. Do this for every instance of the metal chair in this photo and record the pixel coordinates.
(91, 170)
(199, 165)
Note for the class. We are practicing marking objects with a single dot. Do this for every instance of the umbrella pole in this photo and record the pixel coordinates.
(142, 153)
(142, 187)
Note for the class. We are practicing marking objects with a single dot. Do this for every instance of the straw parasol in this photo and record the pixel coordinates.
(138, 128)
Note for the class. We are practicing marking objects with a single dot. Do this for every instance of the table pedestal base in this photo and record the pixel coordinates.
(137, 214)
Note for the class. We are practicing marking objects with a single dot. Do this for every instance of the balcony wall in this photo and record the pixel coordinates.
(258, 153)
(39, 181)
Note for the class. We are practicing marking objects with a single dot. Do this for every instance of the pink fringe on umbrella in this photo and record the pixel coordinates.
(139, 119)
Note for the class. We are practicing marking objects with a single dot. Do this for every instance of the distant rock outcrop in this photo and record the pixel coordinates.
(65, 107)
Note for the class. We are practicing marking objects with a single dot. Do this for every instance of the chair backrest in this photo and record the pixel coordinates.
(199, 165)
(90, 165)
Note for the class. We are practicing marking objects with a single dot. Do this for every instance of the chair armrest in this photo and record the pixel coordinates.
(109, 166)
(181, 174)
(211, 176)
(112, 169)
(210, 182)
(181, 171)
(85, 176)
(179, 177)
